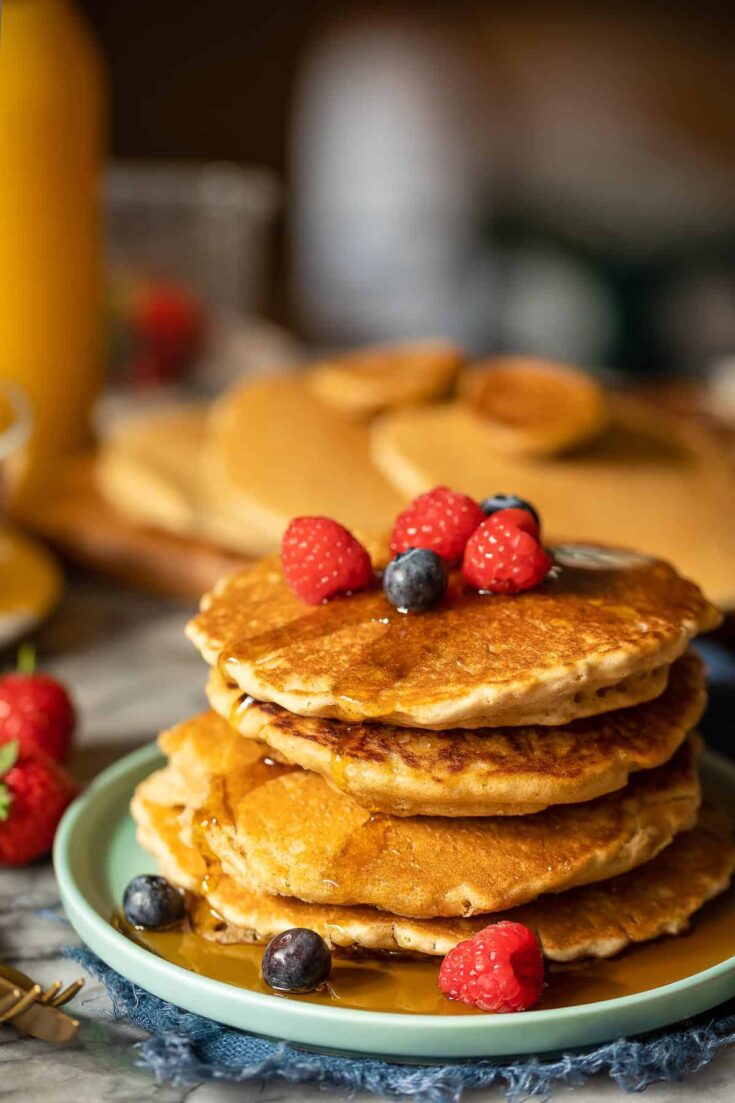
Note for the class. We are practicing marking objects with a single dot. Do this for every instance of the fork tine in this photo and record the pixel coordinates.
(9, 1001)
(51, 993)
(68, 993)
(25, 1001)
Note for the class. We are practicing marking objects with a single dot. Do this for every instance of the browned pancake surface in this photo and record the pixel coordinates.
(592, 921)
(486, 771)
(471, 660)
(297, 836)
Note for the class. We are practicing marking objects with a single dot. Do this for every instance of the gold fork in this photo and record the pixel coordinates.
(17, 1000)
(53, 996)
(34, 1011)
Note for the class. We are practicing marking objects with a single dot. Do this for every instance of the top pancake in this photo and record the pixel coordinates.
(546, 656)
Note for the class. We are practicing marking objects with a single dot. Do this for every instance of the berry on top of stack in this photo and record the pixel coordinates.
(498, 547)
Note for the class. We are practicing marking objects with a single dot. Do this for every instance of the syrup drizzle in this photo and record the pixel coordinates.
(377, 662)
(389, 982)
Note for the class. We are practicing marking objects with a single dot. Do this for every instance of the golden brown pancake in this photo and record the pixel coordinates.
(275, 451)
(534, 407)
(593, 921)
(301, 838)
(547, 656)
(483, 772)
(149, 468)
(297, 836)
(366, 381)
(650, 480)
(156, 809)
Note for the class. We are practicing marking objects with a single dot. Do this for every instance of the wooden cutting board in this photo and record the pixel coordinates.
(78, 522)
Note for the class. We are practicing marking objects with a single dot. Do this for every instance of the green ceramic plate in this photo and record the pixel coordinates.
(96, 855)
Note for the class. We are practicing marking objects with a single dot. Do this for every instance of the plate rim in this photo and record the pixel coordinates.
(85, 917)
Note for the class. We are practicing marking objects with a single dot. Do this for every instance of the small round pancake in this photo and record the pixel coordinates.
(546, 656)
(534, 407)
(593, 921)
(369, 380)
(297, 836)
(484, 772)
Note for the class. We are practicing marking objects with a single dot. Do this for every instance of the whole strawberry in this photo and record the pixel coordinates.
(441, 520)
(321, 558)
(36, 711)
(502, 557)
(34, 792)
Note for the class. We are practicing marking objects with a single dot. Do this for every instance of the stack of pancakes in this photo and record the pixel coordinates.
(396, 782)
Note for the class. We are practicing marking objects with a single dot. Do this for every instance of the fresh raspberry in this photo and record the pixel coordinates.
(34, 792)
(503, 559)
(36, 710)
(441, 520)
(495, 502)
(500, 969)
(321, 558)
(521, 518)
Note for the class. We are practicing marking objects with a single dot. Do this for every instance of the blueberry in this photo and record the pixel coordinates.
(508, 501)
(296, 961)
(415, 579)
(152, 902)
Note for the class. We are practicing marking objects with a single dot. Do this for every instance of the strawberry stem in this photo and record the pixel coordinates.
(5, 801)
(26, 661)
(8, 756)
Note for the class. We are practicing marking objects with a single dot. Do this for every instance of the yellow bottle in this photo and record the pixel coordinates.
(52, 110)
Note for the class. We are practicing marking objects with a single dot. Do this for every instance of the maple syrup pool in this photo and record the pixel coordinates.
(390, 983)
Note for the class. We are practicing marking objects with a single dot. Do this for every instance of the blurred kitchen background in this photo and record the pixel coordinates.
(546, 176)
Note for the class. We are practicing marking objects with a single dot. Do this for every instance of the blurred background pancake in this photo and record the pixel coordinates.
(648, 479)
(363, 383)
(231, 474)
(273, 453)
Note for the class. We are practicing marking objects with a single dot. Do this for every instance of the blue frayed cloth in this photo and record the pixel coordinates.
(187, 1049)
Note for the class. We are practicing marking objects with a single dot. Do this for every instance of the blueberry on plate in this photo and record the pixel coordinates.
(297, 960)
(415, 579)
(497, 502)
(152, 902)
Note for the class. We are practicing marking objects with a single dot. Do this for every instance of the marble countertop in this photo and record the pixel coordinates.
(133, 673)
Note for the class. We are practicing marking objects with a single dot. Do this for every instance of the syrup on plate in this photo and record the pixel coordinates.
(392, 983)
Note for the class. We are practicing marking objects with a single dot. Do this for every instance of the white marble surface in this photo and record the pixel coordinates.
(133, 673)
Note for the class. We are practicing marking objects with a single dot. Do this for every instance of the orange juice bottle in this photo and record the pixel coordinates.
(52, 110)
